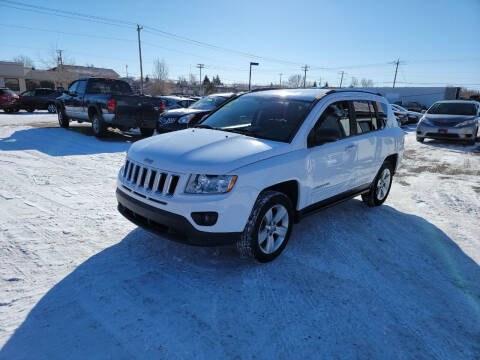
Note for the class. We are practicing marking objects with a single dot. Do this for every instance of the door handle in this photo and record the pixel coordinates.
(351, 147)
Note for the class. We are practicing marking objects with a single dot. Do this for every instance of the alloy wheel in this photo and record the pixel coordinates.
(273, 229)
(383, 184)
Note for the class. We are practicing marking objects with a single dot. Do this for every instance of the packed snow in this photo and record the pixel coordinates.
(78, 281)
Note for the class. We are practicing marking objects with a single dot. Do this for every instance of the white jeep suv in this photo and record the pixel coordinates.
(258, 164)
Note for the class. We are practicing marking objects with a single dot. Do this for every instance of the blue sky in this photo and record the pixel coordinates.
(439, 41)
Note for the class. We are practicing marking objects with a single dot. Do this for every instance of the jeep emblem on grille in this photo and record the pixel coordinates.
(147, 160)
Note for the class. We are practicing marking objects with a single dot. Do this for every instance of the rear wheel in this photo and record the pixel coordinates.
(98, 126)
(63, 120)
(380, 187)
(268, 228)
(146, 132)
(51, 108)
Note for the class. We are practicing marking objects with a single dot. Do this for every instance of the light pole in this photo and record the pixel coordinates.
(250, 76)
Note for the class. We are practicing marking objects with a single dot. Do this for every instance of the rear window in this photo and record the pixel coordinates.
(453, 109)
(114, 87)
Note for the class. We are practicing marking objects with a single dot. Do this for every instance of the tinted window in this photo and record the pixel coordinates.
(276, 118)
(103, 86)
(43, 92)
(335, 117)
(382, 111)
(27, 93)
(453, 109)
(363, 116)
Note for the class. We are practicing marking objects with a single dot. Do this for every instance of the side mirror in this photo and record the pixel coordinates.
(423, 111)
(322, 136)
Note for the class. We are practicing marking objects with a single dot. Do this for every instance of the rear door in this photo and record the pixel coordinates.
(330, 164)
(368, 140)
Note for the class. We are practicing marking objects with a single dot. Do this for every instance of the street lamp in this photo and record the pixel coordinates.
(250, 76)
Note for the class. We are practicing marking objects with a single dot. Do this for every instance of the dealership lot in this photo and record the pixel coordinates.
(74, 270)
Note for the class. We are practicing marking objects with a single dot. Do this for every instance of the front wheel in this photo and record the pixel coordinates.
(30, 109)
(268, 228)
(420, 139)
(380, 187)
(146, 132)
(63, 121)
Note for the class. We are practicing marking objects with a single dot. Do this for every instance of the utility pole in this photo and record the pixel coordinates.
(250, 76)
(59, 57)
(126, 70)
(396, 70)
(305, 69)
(341, 79)
(140, 55)
(201, 66)
(280, 78)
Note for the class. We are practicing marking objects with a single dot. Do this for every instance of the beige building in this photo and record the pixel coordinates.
(19, 78)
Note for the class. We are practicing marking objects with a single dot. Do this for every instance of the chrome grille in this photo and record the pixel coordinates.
(140, 177)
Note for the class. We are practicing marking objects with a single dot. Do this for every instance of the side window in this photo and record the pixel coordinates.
(73, 87)
(382, 111)
(363, 116)
(27, 93)
(82, 85)
(335, 117)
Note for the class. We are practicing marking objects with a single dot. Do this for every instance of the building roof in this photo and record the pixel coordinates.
(88, 71)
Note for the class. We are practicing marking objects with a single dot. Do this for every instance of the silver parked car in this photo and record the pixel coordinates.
(454, 119)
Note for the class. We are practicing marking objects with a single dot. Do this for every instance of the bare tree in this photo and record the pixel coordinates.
(295, 81)
(25, 60)
(354, 82)
(367, 83)
(160, 70)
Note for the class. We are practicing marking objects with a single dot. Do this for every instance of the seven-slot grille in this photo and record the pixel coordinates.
(150, 179)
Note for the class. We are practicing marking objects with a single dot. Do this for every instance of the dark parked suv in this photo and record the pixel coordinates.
(179, 119)
(38, 99)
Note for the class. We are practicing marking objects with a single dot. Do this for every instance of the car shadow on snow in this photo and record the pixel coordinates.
(56, 141)
(353, 283)
(25, 113)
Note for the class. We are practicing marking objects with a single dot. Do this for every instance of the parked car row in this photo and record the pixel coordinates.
(405, 116)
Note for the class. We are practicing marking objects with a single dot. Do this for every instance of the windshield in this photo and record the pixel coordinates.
(275, 118)
(209, 103)
(453, 109)
(114, 87)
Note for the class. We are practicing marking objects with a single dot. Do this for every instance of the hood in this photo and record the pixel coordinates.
(182, 111)
(441, 118)
(203, 151)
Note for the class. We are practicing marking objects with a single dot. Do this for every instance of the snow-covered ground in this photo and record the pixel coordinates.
(77, 281)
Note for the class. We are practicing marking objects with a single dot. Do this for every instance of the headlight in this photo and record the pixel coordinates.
(185, 119)
(210, 184)
(466, 123)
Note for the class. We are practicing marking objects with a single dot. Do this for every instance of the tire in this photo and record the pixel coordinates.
(420, 139)
(147, 132)
(274, 240)
(376, 196)
(98, 126)
(30, 109)
(63, 120)
(7, 110)
(51, 108)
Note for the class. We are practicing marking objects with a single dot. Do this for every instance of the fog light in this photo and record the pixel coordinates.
(208, 218)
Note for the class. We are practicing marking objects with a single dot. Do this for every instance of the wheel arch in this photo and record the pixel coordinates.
(393, 159)
(290, 188)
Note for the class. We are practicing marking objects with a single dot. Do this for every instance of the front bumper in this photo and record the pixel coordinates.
(453, 133)
(167, 223)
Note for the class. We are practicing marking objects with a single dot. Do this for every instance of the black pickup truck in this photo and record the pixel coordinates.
(107, 103)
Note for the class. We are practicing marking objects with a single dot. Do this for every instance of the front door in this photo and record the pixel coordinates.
(330, 165)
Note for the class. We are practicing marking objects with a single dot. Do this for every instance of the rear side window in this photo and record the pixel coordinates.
(366, 118)
(382, 111)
